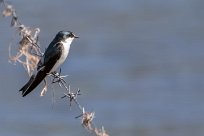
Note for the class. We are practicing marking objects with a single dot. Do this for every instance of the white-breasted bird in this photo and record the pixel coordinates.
(54, 56)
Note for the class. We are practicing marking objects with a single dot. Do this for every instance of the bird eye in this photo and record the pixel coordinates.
(70, 35)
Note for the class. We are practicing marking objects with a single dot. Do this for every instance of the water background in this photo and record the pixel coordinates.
(139, 65)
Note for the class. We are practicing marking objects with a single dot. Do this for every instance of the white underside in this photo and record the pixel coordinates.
(64, 55)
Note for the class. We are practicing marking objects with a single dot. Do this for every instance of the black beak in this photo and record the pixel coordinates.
(72, 35)
(76, 36)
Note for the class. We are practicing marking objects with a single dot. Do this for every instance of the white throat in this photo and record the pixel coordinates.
(68, 41)
(66, 46)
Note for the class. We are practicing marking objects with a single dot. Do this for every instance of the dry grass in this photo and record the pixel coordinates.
(28, 53)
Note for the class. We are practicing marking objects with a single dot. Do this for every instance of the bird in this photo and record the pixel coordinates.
(52, 59)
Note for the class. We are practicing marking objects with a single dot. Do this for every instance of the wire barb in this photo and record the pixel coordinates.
(57, 78)
(72, 97)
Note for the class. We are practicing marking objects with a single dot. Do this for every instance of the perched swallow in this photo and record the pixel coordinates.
(54, 56)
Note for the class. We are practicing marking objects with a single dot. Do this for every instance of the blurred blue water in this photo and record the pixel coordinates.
(139, 65)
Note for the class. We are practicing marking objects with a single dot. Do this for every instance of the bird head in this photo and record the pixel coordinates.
(66, 36)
